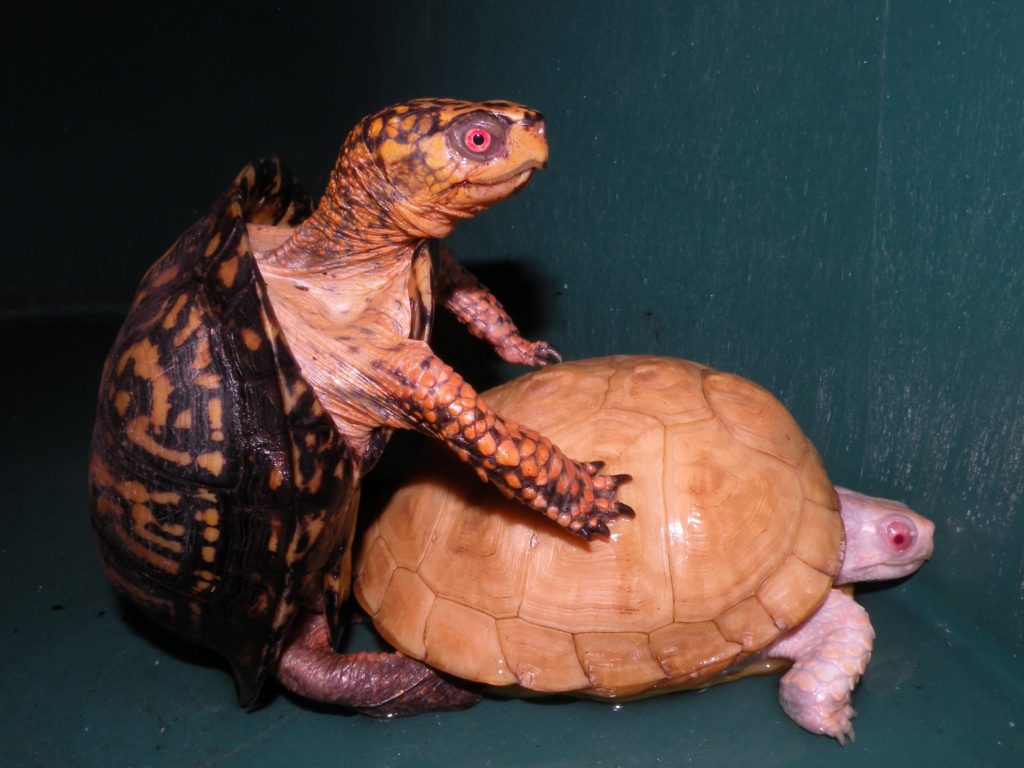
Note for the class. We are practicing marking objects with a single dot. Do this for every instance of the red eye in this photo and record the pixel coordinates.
(477, 140)
(899, 534)
(477, 136)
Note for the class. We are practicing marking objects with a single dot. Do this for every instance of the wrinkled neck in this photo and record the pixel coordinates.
(323, 244)
(360, 218)
(350, 224)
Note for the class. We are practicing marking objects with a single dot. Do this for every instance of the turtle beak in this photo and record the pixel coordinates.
(527, 152)
(507, 174)
(528, 143)
(487, 182)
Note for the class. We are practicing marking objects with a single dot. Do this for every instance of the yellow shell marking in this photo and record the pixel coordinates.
(146, 359)
(215, 414)
(251, 339)
(203, 356)
(228, 271)
(171, 318)
(213, 462)
(209, 516)
(137, 430)
(195, 319)
(208, 381)
(121, 402)
(212, 246)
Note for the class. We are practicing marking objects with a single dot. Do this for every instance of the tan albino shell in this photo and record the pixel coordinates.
(737, 537)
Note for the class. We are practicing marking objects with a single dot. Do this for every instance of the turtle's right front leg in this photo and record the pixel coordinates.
(480, 311)
(523, 464)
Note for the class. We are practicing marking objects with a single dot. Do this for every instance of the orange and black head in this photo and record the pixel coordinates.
(430, 162)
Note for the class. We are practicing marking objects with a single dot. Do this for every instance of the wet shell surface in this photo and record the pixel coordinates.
(737, 538)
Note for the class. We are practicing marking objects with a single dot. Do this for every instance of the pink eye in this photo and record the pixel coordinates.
(899, 534)
(478, 136)
(477, 140)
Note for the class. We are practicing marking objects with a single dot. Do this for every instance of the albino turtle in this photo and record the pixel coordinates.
(731, 559)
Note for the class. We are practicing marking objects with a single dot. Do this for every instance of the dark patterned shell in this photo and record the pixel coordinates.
(220, 488)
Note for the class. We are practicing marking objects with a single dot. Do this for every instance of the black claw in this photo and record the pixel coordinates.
(624, 510)
(620, 479)
(549, 355)
(595, 466)
(599, 527)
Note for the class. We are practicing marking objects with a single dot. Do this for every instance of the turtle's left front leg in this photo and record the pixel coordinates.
(428, 395)
(830, 652)
(480, 311)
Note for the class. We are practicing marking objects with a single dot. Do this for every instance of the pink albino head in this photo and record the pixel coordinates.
(884, 539)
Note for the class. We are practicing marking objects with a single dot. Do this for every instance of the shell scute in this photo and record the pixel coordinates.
(754, 417)
(625, 581)
(793, 591)
(735, 519)
(485, 548)
(464, 641)
(747, 623)
(647, 386)
(618, 664)
(541, 658)
(380, 567)
(692, 651)
(409, 597)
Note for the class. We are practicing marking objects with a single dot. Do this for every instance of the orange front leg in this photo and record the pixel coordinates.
(480, 311)
(523, 464)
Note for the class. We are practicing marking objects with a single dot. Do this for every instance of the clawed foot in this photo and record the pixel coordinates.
(841, 726)
(827, 717)
(597, 504)
(519, 351)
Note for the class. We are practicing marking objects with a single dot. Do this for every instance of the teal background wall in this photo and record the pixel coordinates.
(825, 197)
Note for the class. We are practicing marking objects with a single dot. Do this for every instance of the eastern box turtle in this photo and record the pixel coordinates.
(731, 562)
(262, 365)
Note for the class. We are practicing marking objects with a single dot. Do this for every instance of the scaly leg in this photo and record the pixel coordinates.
(475, 306)
(379, 684)
(522, 464)
(830, 652)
